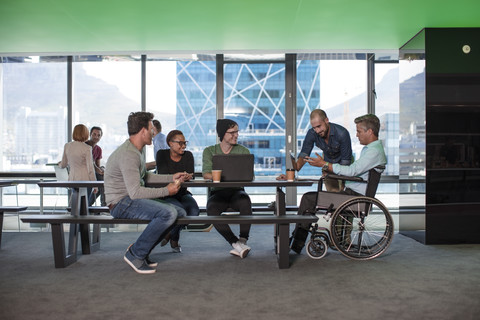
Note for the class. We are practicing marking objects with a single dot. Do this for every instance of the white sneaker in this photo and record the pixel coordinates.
(240, 249)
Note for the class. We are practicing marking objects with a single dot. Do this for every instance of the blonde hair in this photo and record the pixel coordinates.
(80, 133)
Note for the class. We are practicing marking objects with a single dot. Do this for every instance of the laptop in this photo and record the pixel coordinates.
(235, 167)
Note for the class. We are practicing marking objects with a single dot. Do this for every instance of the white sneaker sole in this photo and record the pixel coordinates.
(177, 250)
(138, 270)
(151, 265)
(241, 254)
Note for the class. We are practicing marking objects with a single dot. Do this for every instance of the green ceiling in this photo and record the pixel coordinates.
(108, 26)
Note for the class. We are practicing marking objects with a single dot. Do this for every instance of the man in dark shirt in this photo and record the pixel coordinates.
(96, 134)
(332, 139)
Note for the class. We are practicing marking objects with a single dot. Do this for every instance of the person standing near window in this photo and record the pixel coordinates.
(159, 139)
(372, 156)
(77, 156)
(96, 134)
(332, 139)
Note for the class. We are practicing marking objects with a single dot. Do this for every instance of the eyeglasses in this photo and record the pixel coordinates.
(181, 143)
(232, 132)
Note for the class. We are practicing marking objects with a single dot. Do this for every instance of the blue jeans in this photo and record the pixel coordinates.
(188, 203)
(162, 216)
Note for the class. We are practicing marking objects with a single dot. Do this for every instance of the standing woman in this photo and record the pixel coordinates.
(77, 155)
(170, 161)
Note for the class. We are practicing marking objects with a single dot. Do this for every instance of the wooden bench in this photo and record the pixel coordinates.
(64, 258)
(8, 210)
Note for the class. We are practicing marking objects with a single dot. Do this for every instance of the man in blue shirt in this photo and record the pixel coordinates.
(372, 156)
(332, 139)
(159, 139)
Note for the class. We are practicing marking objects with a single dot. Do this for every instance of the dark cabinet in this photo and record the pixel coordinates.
(452, 133)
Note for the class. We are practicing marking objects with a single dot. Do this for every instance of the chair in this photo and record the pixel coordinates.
(361, 227)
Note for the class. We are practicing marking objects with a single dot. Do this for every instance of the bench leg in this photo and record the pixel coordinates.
(90, 246)
(281, 232)
(283, 246)
(80, 207)
(72, 238)
(95, 245)
(62, 258)
(1, 227)
(85, 235)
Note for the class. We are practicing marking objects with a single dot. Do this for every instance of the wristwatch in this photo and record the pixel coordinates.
(325, 166)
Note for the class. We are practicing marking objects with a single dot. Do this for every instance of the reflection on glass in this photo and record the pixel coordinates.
(412, 119)
(255, 99)
(195, 111)
(386, 108)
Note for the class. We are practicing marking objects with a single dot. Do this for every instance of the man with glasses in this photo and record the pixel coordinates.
(221, 199)
(170, 161)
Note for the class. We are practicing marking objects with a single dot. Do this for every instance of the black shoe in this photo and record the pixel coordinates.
(151, 263)
(297, 246)
(138, 265)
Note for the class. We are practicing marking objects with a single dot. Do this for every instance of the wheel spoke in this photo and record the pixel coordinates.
(358, 234)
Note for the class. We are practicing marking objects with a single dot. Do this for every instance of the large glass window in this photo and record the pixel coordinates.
(105, 90)
(336, 84)
(255, 99)
(180, 91)
(386, 108)
(33, 105)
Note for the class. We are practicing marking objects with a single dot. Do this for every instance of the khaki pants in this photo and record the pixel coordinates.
(334, 185)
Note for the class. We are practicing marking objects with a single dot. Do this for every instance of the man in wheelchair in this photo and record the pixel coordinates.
(372, 156)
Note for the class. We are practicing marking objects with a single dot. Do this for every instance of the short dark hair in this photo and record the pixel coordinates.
(137, 121)
(369, 121)
(96, 128)
(172, 134)
(157, 125)
(318, 113)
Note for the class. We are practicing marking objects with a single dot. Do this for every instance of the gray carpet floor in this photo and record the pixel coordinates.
(410, 281)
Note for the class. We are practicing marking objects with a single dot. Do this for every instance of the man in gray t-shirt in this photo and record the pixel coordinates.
(128, 198)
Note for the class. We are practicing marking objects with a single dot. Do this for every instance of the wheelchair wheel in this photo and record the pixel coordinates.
(362, 228)
(317, 248)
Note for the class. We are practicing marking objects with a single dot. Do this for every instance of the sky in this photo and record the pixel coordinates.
(339, 80)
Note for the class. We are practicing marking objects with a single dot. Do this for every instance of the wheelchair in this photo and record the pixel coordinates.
(359, 227)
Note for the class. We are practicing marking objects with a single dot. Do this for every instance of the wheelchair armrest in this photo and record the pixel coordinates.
(344, 178)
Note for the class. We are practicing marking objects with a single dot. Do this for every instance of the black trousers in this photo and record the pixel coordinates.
(236, 199)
